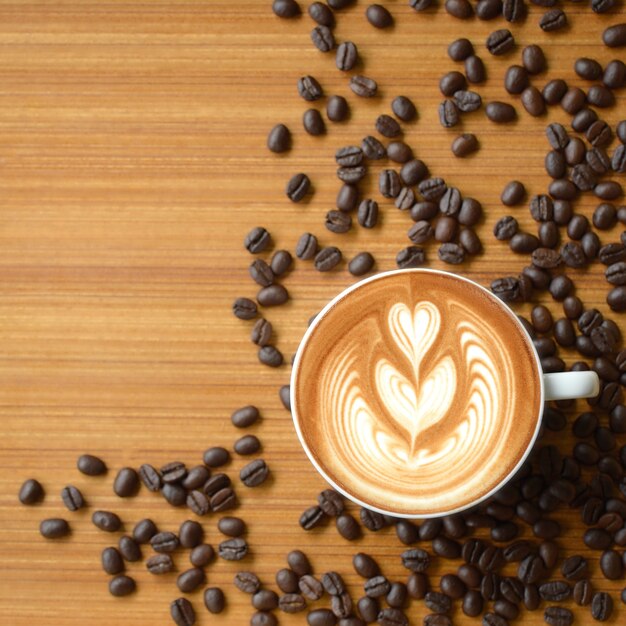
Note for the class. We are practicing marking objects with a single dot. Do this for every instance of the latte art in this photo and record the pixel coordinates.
(416, 397)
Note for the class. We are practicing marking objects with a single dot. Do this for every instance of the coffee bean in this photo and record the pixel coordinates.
(372, 148)
(349, 156)
(174, 494)
(164, 541)
(121, 585)
(500, 42)
(31, 492)
(233, 549)
(391, 616)
(415, 560)
(403, 108)
(107, 521)
(438, 602)
(341, 605)
(129, 548)
(321, 617)
(112, 562)
(611, 564)
(554, 91)
(546, 258)
(534, 59)
(555, 19)
(378, 16)
(361, 264)
(377, 586)
(602, 6)
(201, 555)
(411, 256)
(322, 38)
(434, 619)
(558, 616)
(399, 152)
(500, 112)
(608, 190)
(91, 465)
(248, 444)
(460, 49)
(582, 593)
(387, 126)
(583, 119)
(601, 606)
(126, 482)
(321, 13)
(279, 139)
(292, 603)
(461, 9)
(265, 600)
(287, 580)
(363, 86)
(72, 498)
(144, 530)
(368, 608)
(223, 500)
(313, 124)
(464, 145)
(182, 612)
(599, 134)
(297, 187)
(451, 253)
(309, 89)
(618, 162)
(615, 36)
(173, 472)
(452, 586)
(555, 591)
(467, 101)
(191, 579)
(446, 228)
(216, 483)
(310, 587)
(452, 82)
(160, 564)
(533, 101)
(614, 76)
(248, 582)
(475, 69)
(214, 600)
(406, 198)
(531, 569)
(448, 114)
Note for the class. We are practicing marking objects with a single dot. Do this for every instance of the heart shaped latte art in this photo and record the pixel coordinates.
(418, 402)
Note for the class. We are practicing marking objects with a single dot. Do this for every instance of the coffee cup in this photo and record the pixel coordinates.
(418, 393)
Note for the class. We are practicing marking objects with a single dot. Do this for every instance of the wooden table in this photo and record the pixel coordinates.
(132, 163)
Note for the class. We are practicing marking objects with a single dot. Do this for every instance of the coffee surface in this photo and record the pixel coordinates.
(417, 393)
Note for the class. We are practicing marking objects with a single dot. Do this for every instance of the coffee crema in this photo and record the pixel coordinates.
(417, 393)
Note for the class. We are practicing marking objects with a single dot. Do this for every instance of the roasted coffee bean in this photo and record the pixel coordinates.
(312, 517)
(500, 112)
(531, 569)
(361, 264)
(420, 232)
(433, 189)
(257, 240)
(121, 585)
(248, 444)
(588, 69)
(322, 38)
(601, 605)
(91, 465)
(265, 600)
(618, 162)
(321, 617)
(306, 247)
(297, 187)
(416, 559)
(348, 527)
(403, 108)
(341, 605)
(452, 586)
(216, 483)
(599, 134)
(201, 555)
(164, 541)
(191, 579)
(107, 521)
(452, 82)
(460, 49)
(446, 228)
(450, 202)
(327, 259)
(337, 108)
(467, 101)
(174, 494)
(389, 183)
(378, 16)
(331, 502)
(554, 91)
(126, 482)
(533, 59)
(273, 295)
(338, 222)
(557, 136)
(144, 530)
(582, 593)
(448, 548)
(214, 600)
(313, 122)
(233, 549)
(399, 152)
(363, 86)
(372, 148)
(451, 253)
(612, 253)
(608, 190)
(198, 475)
(500, 42)
(248, 582)
(333, 583)
(72, 498)
(367, 214)
(112, 562)
(405, 199)
(411, 256)
(464, 145)
(182, 612)
(469, 241)
(533, 101)
(349, 156)
(513, 193)
(391, 616)
(190, 534)
(287, 580)
(160, 564)
(286, 8)
(279, 139)
(387, 126)
(438, 602)
(600, 96)
(322, 14)
(614, 74)
(558, 616)
(472, 550)
(347, 198)
(615, 36)
(602, 6)
(129, 548)
(31, 492)
(597, 538)
(309, 89)
(397, 595)
(555, 591)
(310, 587)
(555, 19)
(365, 566)
(513, 10)
(611, 565)
(461, 9)
(546, 258)
(244, 417)
(377, 587)
(475, 69)
(472, 603)
(616, 273)
(244, 309)
(448, 114)
(584, 119)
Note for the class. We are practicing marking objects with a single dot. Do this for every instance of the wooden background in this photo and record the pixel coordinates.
(132, 163)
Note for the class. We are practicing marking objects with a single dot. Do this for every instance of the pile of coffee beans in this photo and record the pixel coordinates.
(204, 489)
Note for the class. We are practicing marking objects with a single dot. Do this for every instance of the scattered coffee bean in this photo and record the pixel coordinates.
(254, 473)
(31, 492)
(214, 600)
(91, 465)
(279, 139)
(182, 612)
(337, 108)
(363, 86)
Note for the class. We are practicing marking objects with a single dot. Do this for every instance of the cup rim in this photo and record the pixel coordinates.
(296, 367)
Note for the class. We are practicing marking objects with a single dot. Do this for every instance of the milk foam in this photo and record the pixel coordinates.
(417, 403)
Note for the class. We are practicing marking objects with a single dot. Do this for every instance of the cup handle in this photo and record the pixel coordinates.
(566, 385)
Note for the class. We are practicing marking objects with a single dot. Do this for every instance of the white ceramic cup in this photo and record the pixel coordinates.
(557, 386)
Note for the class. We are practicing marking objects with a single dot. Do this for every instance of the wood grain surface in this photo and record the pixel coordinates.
(132, 163)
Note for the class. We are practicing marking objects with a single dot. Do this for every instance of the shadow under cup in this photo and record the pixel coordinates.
(416, 393)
